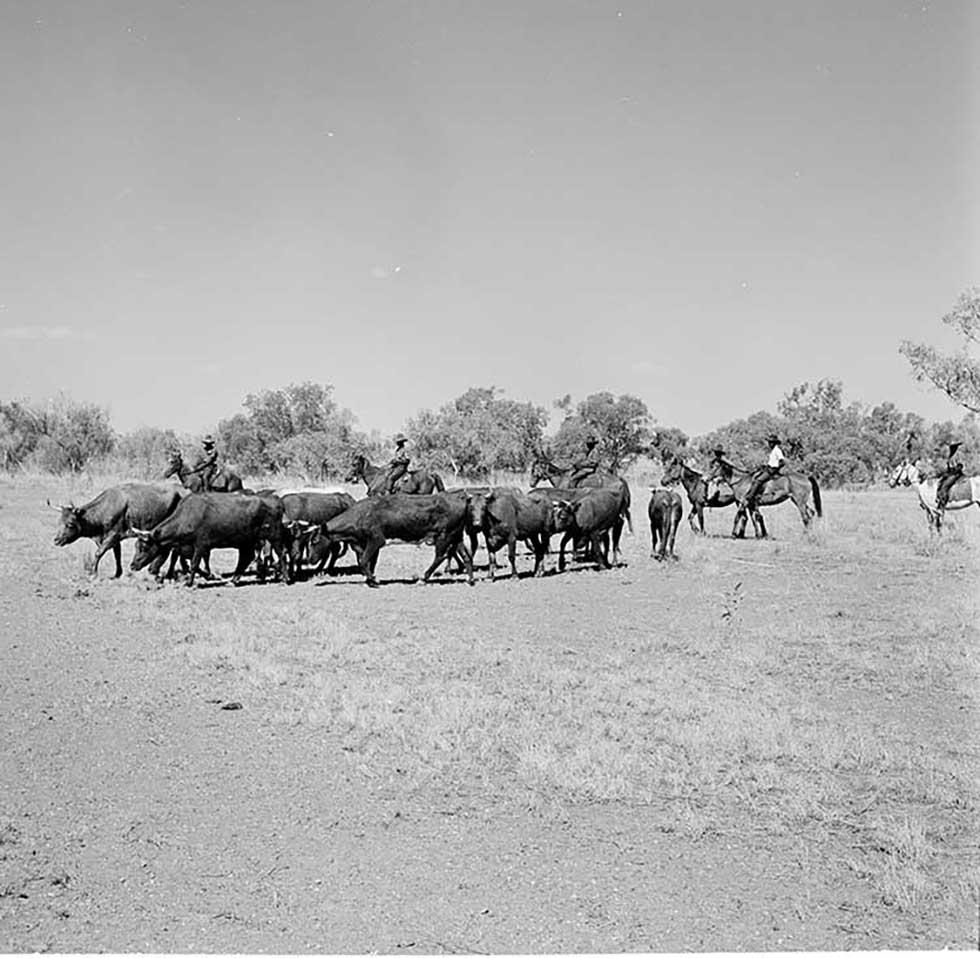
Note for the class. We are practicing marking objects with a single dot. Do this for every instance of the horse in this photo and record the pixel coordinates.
(416, 482)
(696, 487)
(789, 485)
(224, 481)
(543, 470)
(965, 493)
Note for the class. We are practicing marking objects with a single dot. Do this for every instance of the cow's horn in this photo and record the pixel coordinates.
(56, 508)
(142, 533)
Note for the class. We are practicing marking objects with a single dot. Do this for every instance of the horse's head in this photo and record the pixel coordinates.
(356, 473)
(174, 463)
(672, 471)
(907, 473)
(541, 471)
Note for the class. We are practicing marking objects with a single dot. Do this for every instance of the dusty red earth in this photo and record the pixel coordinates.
(140, 815)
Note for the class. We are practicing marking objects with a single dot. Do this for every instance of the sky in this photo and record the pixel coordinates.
(700, 204)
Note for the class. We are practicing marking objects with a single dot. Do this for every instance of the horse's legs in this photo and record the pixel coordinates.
(761, 532)
(741, 520)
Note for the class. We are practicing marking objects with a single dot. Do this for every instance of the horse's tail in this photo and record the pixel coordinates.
(817, 504)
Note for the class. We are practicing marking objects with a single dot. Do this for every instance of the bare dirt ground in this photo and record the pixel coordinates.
(763, 746)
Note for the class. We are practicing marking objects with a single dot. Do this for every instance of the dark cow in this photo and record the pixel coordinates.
(113, 514)
(214, 520)
(304, 513)
(665, 511)
(370, 523)
(477, 496)
(509, 516)
(594, 514)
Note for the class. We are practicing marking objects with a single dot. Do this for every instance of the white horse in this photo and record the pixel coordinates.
(965, 493)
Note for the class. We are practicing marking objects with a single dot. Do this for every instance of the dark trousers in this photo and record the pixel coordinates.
(759, 479)
(946, 482)
(394, 474)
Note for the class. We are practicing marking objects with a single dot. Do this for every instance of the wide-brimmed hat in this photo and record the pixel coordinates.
(718, 451)
(208, 440)
(591, 440)
(773, 438)
(398, 438)
(953, 446)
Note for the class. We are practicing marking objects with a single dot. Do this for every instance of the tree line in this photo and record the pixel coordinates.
(301, 430)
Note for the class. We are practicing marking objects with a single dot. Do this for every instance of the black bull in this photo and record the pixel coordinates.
(206, 521)
(370, 523)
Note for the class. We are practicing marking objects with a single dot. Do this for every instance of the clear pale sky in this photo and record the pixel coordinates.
(701, 204)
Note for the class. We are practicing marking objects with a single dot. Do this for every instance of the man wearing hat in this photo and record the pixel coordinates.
(719, 470)
(589, 463)
(206, 464)
(772, 468)
(948, 477)
(399, 463)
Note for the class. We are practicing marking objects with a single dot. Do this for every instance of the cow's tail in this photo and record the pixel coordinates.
(629, 519)
(817, 505)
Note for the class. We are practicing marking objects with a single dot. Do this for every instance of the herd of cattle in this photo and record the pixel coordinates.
(313, 528)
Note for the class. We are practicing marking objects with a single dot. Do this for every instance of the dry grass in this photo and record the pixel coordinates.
(821, 686)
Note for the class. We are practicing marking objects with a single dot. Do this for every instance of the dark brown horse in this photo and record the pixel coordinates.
(417, 482)
(790, 485)
(696, 487)
(224, 481)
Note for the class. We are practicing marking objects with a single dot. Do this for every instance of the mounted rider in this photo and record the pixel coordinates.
(720, 470)
(948, 478)
(588, 464)
(206, 463)
(762, 475)
(399, 463)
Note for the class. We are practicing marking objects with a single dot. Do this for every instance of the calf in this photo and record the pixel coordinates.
(113, 514)
(665, 511)
(370, 523)
(590, 517)
(206, 521)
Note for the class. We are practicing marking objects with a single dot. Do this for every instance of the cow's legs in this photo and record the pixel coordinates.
(512, 555)
(245, 555)
(107, 542)
(561, 550)
(368, 559)
(600, 546)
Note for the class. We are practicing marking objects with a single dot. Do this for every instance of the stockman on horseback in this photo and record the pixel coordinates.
(772, 469)
(399, 463)
(588, 464)
(948, 477)
(206, 463)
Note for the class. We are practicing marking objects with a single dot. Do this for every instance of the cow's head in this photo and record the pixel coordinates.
(72, 524)
(147, 549)
(301, 535)
(476, 505)
(564, 513)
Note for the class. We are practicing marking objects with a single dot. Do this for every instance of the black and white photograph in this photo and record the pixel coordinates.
(489, 476)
